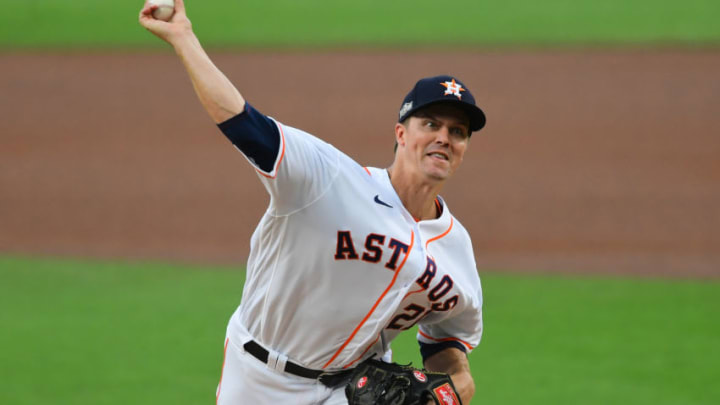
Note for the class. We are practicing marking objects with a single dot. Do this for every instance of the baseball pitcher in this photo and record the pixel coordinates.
(346, 257)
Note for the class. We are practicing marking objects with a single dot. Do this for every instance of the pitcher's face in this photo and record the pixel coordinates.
(433, 141)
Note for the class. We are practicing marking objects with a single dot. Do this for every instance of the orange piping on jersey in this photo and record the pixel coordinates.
(392, 282)
(368, 171)
(282, 154)
(222, 371)
(466, 344)
(442, 235)
(413, 292)
(363, 353)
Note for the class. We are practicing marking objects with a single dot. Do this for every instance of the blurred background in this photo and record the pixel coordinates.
(591, 196)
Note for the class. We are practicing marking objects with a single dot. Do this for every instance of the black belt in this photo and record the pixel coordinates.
(329, 379)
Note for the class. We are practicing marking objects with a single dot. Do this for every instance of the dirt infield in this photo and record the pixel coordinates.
(603, 161)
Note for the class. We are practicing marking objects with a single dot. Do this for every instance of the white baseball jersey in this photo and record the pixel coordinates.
(338, 267)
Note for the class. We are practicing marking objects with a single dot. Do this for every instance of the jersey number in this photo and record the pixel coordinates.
(413, 311)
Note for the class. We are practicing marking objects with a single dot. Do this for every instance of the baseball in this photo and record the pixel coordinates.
(165, 9)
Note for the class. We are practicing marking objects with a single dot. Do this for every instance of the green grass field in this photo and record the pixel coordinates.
(343, 23)
(104, 334)
(84, 332)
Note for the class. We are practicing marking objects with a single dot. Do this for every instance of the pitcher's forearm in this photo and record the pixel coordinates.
(216, 93)
(465, 385)
(455, 363)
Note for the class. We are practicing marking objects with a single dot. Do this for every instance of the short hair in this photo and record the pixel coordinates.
(405, 124)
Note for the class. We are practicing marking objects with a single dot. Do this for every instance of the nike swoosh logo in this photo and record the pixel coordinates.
(377, 200)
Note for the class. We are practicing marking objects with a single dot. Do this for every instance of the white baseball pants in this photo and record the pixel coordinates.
(247, 380)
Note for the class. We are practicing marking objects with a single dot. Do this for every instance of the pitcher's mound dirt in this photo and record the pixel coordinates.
(605, 161)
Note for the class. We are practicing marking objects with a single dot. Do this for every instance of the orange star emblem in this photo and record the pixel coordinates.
(452, 88)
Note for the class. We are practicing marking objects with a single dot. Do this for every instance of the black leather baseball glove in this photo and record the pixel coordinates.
(375, 382)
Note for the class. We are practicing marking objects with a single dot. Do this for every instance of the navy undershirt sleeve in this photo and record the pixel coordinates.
(427, 350)
(256, 135)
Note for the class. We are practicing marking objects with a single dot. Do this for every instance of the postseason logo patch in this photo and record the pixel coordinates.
(405, 108)
(446, 395)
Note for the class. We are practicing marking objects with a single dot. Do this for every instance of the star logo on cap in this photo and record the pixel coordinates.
(452, 88)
